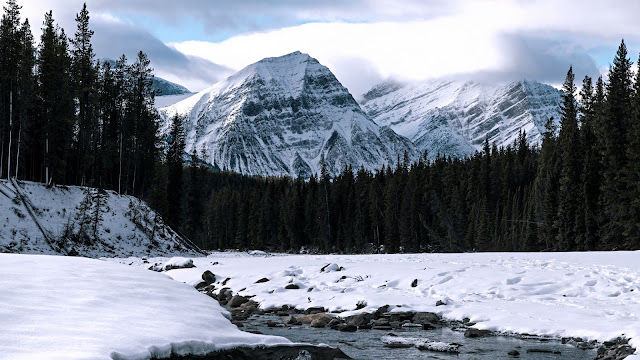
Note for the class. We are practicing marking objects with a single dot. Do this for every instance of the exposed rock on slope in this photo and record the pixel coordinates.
(280, 116)
(454, 117)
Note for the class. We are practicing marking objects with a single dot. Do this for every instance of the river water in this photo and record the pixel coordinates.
(366, 344)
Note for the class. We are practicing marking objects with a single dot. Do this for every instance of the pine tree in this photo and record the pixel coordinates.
(85, 83)
(631, 173)
(55, 100)
(10, 45)
(587, 227)
(175, 164)
(570, 163)
(616, 138)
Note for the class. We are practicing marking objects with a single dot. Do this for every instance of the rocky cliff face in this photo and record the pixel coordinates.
(280, 116)
(454, 117)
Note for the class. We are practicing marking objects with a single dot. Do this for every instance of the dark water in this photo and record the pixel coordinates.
(366, 344)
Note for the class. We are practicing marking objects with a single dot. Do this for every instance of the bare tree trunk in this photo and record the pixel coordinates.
(2, 158)
(10, 126)
(18, 150)
(120, 171)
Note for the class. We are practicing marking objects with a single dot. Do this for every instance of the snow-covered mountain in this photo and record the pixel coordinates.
(279, 116)
(74, 220)
(454, 117)
(166, 87)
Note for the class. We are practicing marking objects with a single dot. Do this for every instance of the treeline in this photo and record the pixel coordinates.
(579, 191)
(66, 118)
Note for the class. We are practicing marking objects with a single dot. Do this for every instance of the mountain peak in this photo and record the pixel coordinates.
(279, 116)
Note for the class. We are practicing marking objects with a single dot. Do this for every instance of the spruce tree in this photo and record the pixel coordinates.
(175, 164)
(616, 138)
(85, 83)
(587, 225)
(570, 163)
(631, 173)
(55, 101)
(9, 83)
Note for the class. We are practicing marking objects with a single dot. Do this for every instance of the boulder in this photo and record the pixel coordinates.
(291, 320)
(224, 295)
(440, 303)
(425, 317)
(513, 353)
(315, 310)
(414, 283)
(400, 315)
(263, 280)
(359, 319)
(308, 319)
(236, 301)
(321, 321)
(271, 323)
(335, 324)
(208, 277)
(428, 326)
(292, 287)
(380, 322)
(474, 333)
(381, 310)
(348, 328)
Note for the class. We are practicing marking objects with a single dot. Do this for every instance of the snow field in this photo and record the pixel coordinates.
(54, 307)
(590, 295)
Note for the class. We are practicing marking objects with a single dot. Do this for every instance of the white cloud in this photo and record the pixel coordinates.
(511, 37)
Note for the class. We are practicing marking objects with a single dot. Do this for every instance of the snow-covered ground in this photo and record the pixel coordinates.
(55, 307)
(592, 295)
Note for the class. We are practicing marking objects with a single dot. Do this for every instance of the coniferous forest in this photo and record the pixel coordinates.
(69, 119)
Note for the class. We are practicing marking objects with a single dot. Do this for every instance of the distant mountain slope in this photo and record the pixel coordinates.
(73, 220)
(166, 87)
(454, 117)
(280, 116)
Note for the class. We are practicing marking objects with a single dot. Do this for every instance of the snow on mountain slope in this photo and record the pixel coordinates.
(166, 87)
(454, 117)
(279, 116)
(81, 221)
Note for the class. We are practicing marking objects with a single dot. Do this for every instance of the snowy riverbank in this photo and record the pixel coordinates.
(595, 296)
(54, 307)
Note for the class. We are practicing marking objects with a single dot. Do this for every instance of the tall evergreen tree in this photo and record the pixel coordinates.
(631, 173)
(175, 164)
(55, 99)
(616, 138)
(10, 44)
(85, 76)
(587, 227)
(570, 162)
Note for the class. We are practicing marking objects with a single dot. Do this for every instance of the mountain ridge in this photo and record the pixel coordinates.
(453, 117)
(281, 116)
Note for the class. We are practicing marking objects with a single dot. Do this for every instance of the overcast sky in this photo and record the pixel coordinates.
(199, 42)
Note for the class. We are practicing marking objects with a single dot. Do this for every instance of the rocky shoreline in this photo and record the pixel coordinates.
(243, 307)
(297, 352)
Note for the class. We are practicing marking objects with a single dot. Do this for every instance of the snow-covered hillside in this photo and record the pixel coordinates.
(454, 117)
(81, 221)
(594, 295)
(279, 116)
